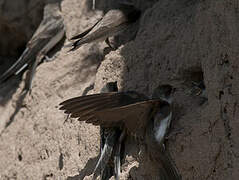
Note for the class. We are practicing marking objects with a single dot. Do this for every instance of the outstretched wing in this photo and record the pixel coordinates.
(83, 105)
(125, 109)
(134, 117)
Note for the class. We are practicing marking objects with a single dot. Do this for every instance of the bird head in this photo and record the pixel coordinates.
(110, 87)
(164, 92)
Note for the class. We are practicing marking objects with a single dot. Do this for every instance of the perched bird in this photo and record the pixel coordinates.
(112, 23)
(136, 115)
(108, 139)
(48, 34)
(109, 150)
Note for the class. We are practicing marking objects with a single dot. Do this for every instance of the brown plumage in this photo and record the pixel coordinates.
(136, 115)
(48, 34)
(112, 110)
(112, 23)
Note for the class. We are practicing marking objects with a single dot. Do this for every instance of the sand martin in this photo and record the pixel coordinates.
(112, 23)
(109, 151)
(136, 115)
(48, 34)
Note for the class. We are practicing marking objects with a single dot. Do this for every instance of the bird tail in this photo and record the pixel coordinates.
(79, 38)
(74, 45)
(117, 161)
(17, 67)
(106, 152)
(168, 171)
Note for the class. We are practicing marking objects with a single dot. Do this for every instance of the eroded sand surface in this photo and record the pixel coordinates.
(177, 42)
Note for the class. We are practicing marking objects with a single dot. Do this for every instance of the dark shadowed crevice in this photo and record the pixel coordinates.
(193, 75)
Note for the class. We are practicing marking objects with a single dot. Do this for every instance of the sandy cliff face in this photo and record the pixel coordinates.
(178, 42)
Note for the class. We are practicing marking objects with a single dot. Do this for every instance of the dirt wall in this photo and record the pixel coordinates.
(178, 43)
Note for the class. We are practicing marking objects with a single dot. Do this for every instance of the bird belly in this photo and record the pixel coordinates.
(160, 131)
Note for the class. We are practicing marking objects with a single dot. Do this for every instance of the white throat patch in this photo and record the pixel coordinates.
(160, 131)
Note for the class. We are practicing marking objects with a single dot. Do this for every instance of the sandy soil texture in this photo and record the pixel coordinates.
(177, 42)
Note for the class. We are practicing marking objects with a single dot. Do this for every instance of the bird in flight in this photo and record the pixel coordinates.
(135, 115)
(48, 34)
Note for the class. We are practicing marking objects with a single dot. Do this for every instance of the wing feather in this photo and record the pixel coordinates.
(35, 44)
(87, 98)
(133, 117)
(81, 35)
(83, 102)
(86, 111)
(128, 109)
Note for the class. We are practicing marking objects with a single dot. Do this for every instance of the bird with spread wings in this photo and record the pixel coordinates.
(135, 115)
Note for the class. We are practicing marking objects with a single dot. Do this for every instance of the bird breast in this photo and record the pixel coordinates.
(161, 127)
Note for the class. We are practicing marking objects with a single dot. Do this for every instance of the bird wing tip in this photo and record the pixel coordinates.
(72, 47)
(68, 45)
